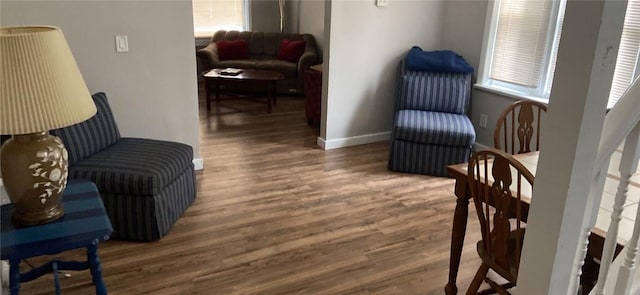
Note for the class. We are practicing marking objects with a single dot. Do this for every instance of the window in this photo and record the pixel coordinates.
(627, 62)
(210, 16)
(521, 44)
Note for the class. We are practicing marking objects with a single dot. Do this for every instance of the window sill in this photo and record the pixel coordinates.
(509, 93)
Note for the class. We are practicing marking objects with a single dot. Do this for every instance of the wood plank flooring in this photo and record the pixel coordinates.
(275, 214)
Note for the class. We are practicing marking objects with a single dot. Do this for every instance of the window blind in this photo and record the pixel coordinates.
(627, 54)
(520, 42)
(212, 15)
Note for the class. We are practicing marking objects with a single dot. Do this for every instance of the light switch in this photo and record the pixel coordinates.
(380, 3)
(122, 44)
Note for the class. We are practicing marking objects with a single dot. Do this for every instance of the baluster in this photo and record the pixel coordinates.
(628, 166)
(627, 269)
(578, 262)
(593, 204)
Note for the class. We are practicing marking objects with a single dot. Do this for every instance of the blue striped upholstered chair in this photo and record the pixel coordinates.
(145, 184)
(431, 129)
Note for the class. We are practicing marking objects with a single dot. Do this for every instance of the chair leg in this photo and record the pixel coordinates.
(499, 289)
(477, 280)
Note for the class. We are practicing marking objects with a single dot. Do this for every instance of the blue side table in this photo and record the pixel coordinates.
(84, 225)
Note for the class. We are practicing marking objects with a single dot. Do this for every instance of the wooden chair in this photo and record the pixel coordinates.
(522, 118)
(496, 182)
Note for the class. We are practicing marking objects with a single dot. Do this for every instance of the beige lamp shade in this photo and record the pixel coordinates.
(41, 87)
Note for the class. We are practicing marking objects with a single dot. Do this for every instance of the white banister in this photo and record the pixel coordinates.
(628, 167)
(612, 235)
(629, 162)
(595, 193)
(619, 122)
(578, 261)
(627, 270)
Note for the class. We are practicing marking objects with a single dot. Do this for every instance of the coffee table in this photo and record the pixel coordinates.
(214, 78)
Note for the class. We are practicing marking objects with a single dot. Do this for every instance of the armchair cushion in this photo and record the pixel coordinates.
(436, 92)
(436, 128)
(135, 166)
(91, 136)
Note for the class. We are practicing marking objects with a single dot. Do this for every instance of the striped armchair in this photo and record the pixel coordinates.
(145, 184)
(431, 129)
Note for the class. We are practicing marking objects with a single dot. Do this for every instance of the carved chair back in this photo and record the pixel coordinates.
(517, 126)
(496, 182)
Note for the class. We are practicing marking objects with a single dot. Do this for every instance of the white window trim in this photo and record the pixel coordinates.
(247, 15)
(487, 40)
(554, 30)
(509, 93)
(509, 89)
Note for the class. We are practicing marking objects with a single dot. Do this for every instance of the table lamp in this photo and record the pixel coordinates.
(41, 88)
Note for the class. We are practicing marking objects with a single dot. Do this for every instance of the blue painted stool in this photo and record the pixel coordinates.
(84, 225)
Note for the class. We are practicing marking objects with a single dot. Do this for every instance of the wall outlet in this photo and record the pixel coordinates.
(483, 120)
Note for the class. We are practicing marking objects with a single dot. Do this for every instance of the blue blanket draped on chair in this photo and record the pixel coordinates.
(442, 61)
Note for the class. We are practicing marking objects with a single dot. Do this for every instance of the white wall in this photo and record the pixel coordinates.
(366, 43)
(301, 16)
(311, 21)
(463, 29)
(152, 88)
(265, 16)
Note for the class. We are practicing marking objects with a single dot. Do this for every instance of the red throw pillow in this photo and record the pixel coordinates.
(291, 50)
(236, 49)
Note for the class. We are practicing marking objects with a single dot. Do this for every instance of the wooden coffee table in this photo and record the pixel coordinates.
(213, 79)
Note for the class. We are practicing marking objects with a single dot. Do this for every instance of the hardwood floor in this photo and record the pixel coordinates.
(275, 214)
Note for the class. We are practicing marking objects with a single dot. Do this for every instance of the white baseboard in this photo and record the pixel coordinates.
(198, 164)
(351, 141)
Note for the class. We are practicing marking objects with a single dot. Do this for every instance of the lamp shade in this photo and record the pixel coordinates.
(41, 87)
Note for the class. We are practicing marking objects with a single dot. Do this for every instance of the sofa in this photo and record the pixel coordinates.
(145, 184)
(263, 51)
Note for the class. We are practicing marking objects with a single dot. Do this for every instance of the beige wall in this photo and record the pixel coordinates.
(152, 88)
(311, 21)
(366, 43)
(462, 31)
(265, 16)
(301, 17)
